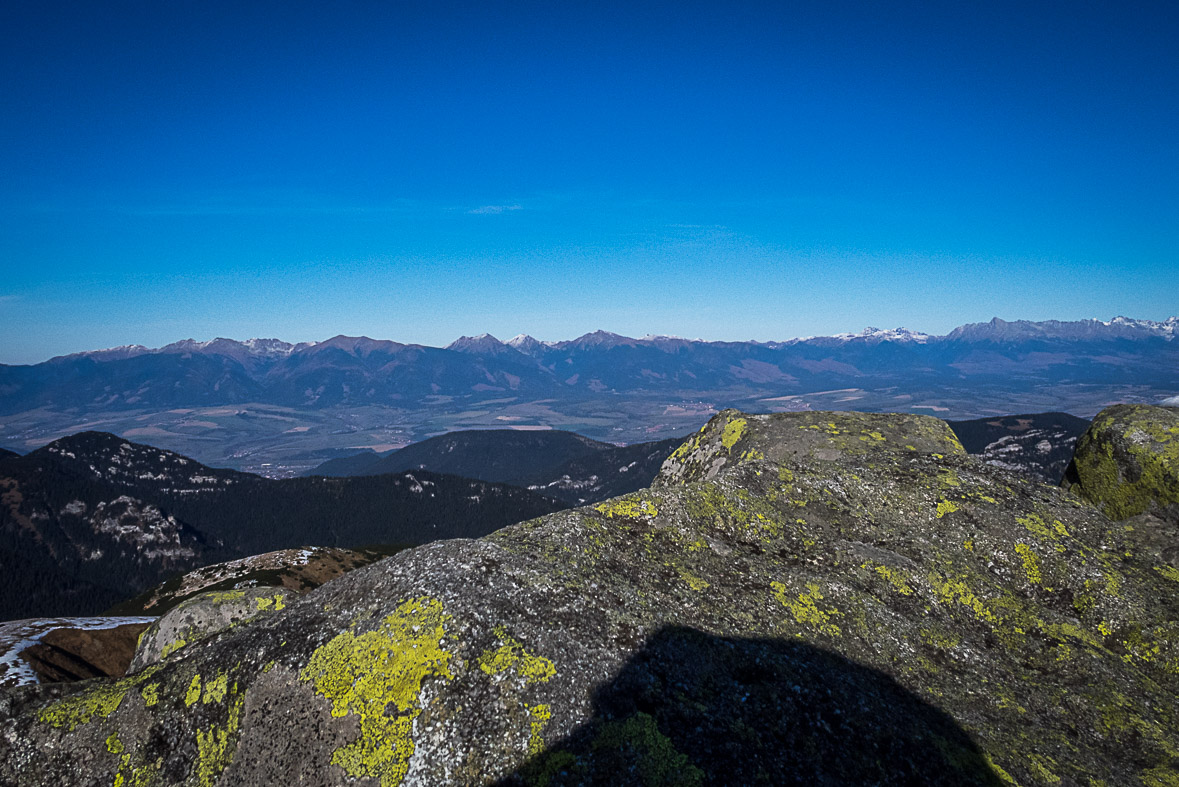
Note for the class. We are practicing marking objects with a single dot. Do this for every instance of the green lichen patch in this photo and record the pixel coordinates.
(1127, 462)
(511, 656)
(635, 506)
(805, 609)
(659, 763)
(378, 677)
(97, 702)
(81, 708)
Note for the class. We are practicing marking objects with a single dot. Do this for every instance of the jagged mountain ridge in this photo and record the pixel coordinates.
(89, 520)
(359, 370)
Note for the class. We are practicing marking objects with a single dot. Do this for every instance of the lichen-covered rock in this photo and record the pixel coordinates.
(733, 437)
(202, 616)
(814, 608)
(1127, 462)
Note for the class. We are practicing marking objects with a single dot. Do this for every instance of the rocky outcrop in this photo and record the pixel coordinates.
(806, 598)
(202, 616)
(1127, 462)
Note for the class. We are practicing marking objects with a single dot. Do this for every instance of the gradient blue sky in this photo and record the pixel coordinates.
(420, 170)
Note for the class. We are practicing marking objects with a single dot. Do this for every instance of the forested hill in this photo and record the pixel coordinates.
(92, 519)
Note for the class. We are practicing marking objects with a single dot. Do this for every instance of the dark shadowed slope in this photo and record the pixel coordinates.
(92, 519)
(603, 474)
(690, 708)
(1037, 445)
(486, 454)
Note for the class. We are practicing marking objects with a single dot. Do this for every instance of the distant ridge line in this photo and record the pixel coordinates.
(995, 329)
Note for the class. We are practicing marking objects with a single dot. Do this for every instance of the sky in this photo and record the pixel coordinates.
(417, 170)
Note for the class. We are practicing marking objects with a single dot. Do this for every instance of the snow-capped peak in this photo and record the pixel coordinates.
(886, 335)
(483, 343)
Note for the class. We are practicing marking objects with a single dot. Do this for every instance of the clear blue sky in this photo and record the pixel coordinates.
(420, 170)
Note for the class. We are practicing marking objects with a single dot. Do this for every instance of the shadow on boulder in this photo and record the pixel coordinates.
(695, 709)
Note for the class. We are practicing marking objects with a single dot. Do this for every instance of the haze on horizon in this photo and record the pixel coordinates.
(731, 171)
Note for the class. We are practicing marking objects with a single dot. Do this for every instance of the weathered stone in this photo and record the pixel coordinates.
(794, 605)
(1127, 462)
(202, 616)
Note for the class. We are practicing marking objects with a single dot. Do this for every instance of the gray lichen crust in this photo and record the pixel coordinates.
(820, 598)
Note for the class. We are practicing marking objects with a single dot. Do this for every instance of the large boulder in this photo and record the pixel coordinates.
(201, 616)
(1127, 462)
(820, 599)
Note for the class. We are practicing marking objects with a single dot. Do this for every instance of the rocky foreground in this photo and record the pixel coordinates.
(804, 598)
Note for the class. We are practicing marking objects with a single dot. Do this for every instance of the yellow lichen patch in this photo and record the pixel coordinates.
(1002, 774)
(512, 656)
(378, 676)
(693, 581)
(100, 701)
(221, 596)
(968, 545)
(540, 717)
(1113, 582)
(950, 591)
(660, 762)
(752, 455)
(895, 577)
(734, 431)
(1031, 563)
(150, 694)
(172, 647)
(629, 507)
(194, 691)
(214, 752)
(1161, 776)
(81, 708)
(275, 603)
(806, 611)
(948, 477)
(940, 639)
(127, 775)
(1036, 525)
(215, 689)
(871, 437)
(1044, 774)
(688, 446)
(785, 474)
(945, 507)
(1170, 572)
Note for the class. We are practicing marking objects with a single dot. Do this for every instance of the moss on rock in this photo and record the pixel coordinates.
(1127, 462)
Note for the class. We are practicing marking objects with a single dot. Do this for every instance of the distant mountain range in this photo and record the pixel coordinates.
(281, 409)
(359, 370)
(90, 520)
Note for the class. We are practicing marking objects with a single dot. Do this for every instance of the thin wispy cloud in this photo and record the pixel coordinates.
(490, 210)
